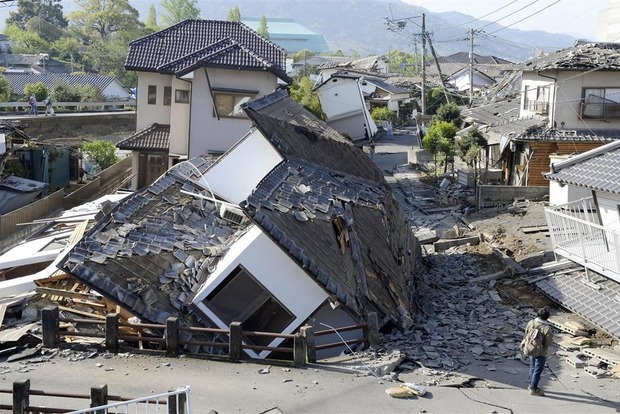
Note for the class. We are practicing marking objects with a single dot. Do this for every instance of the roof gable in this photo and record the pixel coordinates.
(154, 138)
(297, 133)
(191, 41)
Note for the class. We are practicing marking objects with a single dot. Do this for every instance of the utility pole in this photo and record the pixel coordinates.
(471, 67)
(423, 64)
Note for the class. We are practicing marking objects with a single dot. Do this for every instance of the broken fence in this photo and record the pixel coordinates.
(304, 348)
(171, 402)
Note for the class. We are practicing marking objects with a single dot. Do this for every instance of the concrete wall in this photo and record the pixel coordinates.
(494, 195)
(78, 125)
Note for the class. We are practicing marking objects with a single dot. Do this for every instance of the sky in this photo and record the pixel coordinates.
(574, 17)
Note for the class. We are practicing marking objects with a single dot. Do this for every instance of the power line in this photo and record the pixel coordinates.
(508, 15)
(527, 17)
(481, 17)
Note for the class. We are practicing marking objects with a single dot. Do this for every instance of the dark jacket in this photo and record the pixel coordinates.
(544, 327)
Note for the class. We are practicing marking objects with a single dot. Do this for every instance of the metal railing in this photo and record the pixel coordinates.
(577, 234)
(177, 402)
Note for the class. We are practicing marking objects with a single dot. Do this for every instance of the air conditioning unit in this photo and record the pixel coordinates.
(232, 214)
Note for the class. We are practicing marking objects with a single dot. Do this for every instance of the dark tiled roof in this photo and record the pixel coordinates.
(583, 57)
(154, 249)
(494, 113)
(367, 64)
(463, 57)
(297, 204)
(40, 63)
(192, 43)
(386, 86)
(19, 80)
(154, 138)
(559, 135)
(597, 169)
(296, 133)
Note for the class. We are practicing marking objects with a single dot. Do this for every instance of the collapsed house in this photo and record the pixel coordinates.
(294, 225)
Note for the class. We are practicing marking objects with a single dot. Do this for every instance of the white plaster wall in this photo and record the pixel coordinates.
(608, 205)
(206, 133)
(276, 271)
(568, 95)
(135, 167)
(340, 96)
(147, 115)
(245, 165)
(559, 195)
(180, 119)
(117, 90)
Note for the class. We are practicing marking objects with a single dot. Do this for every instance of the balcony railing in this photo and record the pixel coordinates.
(538, 107)
(577, 234)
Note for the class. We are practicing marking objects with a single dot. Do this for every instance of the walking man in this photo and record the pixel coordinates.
(33, 105)
(536, 342)
(49, 110)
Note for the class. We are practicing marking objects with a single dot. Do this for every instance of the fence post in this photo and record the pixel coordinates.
(234, 341)
(99, 397)
(299, 350)
(111, 332)
(49, 323)
(308, 333)
(172, 336)
(373, 329)
(21, 397)
(176, 403)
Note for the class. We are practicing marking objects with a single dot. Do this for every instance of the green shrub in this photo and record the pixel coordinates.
(101, 153)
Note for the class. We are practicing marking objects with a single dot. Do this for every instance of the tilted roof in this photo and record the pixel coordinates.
(298, 203)
(153, 250)
(154, 138)
(297, 133)
(190, 44)
(582, 57)
(597, 169)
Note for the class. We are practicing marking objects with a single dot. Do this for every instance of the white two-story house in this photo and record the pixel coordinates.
(193, 78)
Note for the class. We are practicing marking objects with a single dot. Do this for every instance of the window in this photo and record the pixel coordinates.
(601, 103)
(167, 95)
(536, 99)
(152, 95)
(241, 298)
(181, 96)
(228, 105)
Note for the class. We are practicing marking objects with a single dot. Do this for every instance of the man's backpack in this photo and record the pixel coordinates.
(533, 342)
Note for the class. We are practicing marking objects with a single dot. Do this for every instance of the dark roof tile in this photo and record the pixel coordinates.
(154, 138)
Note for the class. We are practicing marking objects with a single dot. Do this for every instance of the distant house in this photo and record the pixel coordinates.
(455, 69)
(584, 224)
(193, 77)
(23, 63)
(290, 35)
(370, 65)
(110, 87)
(342, 100)
(293, 225)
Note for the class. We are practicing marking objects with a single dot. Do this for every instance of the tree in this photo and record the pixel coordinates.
(449, 112)
(440, 139)
(48, 10)
(23, 41)
(263, 28)
(302, 92)
(108, 58)
(402, 62)
(151, 19)
(101, 153)
(68, 49)
(5, 89)
(234, 15)
(46, 30)
(178, 10)
(39, 90)
(468, 148)
(105, 17)
(382, 113)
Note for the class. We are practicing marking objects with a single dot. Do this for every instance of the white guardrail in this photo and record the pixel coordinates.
(153, 404)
